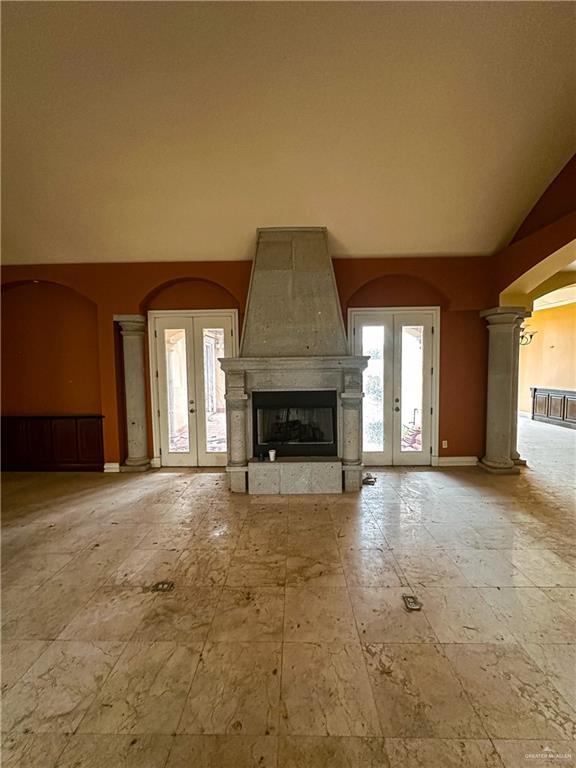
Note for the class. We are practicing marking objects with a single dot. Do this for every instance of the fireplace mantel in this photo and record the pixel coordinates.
(342, 374)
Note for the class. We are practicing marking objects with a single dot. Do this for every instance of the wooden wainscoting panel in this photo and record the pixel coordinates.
(541, 405)
(570, 409)
(52, 442)
(554, 406)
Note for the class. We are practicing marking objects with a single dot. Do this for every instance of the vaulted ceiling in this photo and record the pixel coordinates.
(171, 131)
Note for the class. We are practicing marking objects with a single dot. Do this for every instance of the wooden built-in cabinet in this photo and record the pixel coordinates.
(554, 406)
(52, 443)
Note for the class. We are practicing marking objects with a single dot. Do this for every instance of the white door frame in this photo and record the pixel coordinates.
(435, 311)
(153, 315)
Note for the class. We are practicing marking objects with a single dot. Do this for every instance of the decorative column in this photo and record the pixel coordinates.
(502, 394)
(133, 328)
(514, 455)
(236, 401)
(351, 399)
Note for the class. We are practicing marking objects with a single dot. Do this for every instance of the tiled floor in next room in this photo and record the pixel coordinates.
(285, 642)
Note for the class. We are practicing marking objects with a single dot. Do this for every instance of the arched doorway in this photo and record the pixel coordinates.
(191, 324)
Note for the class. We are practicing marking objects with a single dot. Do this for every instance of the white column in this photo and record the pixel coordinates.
(502, 394)
(133, 328)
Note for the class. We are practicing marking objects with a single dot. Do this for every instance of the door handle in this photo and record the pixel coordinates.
(396, 409)
(192, 410)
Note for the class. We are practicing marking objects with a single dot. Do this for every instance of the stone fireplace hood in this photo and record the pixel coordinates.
(293, 308)
(293, 339)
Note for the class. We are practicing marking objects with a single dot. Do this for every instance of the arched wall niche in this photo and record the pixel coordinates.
(397, 291)
(189, 293)
(50, 355)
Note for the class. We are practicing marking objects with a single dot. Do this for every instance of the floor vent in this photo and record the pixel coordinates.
(412, 603)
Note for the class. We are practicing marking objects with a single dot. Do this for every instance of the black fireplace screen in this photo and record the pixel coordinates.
(295, 423)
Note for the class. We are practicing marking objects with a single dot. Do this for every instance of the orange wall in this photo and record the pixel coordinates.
(124, 289)
(463, 370)
(550, 360)
(461, 286)
(549, 226)
(49, 351)
(557, 201)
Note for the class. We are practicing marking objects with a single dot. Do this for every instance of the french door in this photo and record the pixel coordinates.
(189, 386)
(398, 384)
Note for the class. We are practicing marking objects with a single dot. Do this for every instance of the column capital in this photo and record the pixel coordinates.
(504, 316)
(351, 399)
(131, 325)
(235, 401)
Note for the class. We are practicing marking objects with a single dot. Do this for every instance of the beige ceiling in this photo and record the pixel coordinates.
(171, 131)
(556, 298)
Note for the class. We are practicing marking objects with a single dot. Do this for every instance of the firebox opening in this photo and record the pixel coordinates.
(295, 423)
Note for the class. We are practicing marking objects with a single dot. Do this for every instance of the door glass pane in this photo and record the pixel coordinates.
(215, 404)
(177, 388)
(411, 397)
(373, 384)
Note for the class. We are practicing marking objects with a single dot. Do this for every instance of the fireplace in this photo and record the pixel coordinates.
(295, 423)
(294, 387)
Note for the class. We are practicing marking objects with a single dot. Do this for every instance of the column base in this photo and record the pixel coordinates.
(237, 478)
(499, 469)
(353, 477)
(136, 465)
(519, 461)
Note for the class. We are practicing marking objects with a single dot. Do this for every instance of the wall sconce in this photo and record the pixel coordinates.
(526, 337)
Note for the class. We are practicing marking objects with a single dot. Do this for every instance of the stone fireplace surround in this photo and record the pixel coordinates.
(293, 307)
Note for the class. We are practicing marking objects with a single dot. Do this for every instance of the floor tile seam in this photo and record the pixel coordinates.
(510, 644)
(497, 753)
(571, 707)
(495, 586)
(352, 737)
(280, 682)
(99, 689)
(74, 615)
(363, 656)
(524, 586)
(29, 667)
(463, 688)
(73, 554)
(204, 644)
(504, 619)
(69, 738)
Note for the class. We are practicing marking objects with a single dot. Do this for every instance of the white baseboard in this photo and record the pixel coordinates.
(111, 466)
(454, 461)
(156, 462)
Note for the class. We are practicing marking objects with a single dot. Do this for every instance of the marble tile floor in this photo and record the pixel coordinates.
(285, 642)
